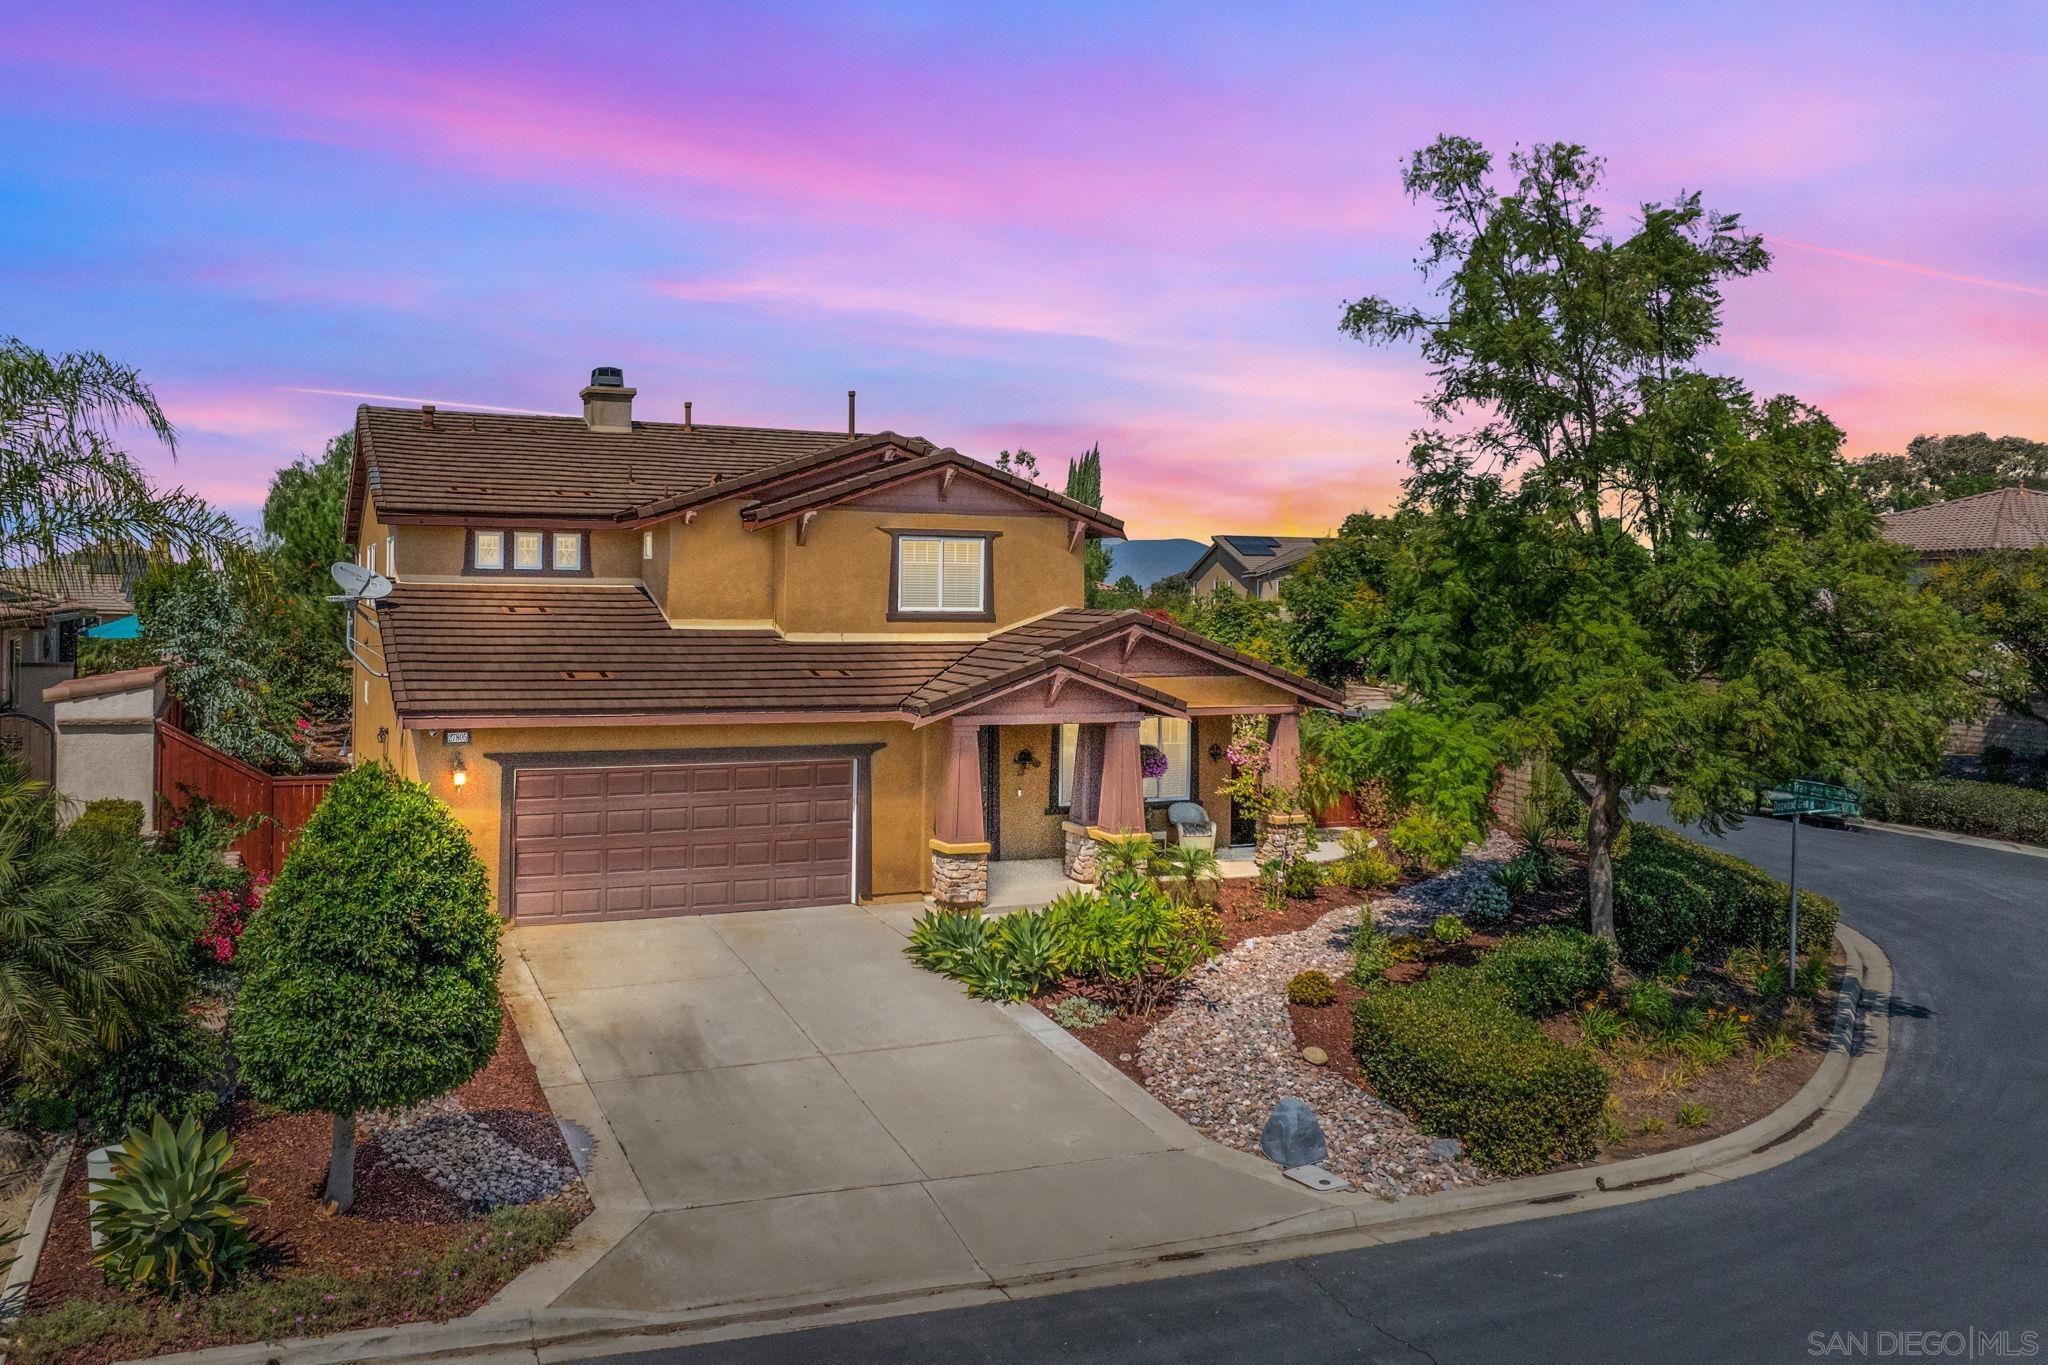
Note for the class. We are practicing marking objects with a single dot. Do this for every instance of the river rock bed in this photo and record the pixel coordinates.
(1225, 1055)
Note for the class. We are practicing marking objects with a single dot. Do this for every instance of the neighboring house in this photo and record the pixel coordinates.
(1252, 565)
(668, 668)
(43, 613)
(2003, 519)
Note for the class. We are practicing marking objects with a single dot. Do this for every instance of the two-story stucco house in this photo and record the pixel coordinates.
(668, 668)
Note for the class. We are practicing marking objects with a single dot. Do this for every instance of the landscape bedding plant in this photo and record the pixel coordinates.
(1454, 1053)
(1548, 969)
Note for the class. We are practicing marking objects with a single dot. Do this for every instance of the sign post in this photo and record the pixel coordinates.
(1799, 799)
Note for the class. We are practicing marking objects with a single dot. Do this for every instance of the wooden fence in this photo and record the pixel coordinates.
(186, 767)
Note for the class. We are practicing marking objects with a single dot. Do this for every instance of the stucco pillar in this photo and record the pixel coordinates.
(1284, 837)
(1120, 809)
(959, 842)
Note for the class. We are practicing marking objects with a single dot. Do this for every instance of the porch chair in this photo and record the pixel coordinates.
(1191, 825)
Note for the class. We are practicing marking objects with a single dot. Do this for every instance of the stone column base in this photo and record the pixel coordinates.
(1281, 836)
(960, 875)
(1081, 850)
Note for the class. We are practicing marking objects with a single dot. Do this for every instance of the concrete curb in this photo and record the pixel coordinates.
(1951, 837)
(33, 1232)
(1844, 1082)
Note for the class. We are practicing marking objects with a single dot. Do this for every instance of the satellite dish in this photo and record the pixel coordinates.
(359, 584)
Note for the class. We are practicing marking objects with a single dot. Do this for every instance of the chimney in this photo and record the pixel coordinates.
(607, 402)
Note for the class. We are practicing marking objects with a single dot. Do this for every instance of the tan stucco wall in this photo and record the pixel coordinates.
(1216, 576)
(901, 816)
(1213, 732)
(718, 570)
(431, 551)
(838, 580)
(1229, 690)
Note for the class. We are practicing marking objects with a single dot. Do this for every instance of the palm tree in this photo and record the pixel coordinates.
(70, 497)
(1189, 870)
(94, 938)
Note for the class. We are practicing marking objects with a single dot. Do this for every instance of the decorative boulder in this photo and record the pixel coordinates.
(1293, 1137)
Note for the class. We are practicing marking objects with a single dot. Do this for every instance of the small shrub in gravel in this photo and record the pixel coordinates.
(1449, 929)
(1311, 989)
(1372, 952)
(1545, 970)
(1078, 1014)
(1490, 904)
(1300, 879)
(1454, 1053)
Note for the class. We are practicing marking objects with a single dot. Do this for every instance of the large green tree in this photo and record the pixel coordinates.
(1937, 468)
(69, 494)
(371, 977)
(2006, 594)
(1333, 595)
(1656, 577)
(1084, 485)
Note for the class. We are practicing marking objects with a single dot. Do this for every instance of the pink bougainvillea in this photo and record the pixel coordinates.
(227, 914)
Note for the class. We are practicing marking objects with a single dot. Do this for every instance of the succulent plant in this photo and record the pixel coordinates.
(173, 1216)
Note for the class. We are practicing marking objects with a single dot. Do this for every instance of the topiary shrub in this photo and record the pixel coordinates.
(1452, 1051)
(371, 970)
(1312, 989)
(1546, 970)
(1670, 890)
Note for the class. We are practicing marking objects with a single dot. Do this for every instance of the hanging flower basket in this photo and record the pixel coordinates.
(1151, 760)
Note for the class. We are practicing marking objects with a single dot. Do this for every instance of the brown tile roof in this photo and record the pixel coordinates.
(2003, 519)
(558, 650)
(541, 651)
(40, 590)
(508, 464)
(470, 464)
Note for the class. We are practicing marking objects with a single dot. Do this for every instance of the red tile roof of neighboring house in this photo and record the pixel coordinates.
(2003, 519)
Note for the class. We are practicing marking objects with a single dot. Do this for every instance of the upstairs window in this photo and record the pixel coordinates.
(551, 553)
(942, 576)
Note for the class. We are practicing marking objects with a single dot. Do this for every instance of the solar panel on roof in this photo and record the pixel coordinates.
(1256, 546)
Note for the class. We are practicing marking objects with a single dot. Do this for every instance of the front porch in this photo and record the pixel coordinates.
(1030, 883)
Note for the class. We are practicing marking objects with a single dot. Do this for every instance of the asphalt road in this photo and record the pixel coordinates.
(1928, 1214)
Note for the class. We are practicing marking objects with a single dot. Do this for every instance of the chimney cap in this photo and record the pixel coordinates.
(607, 377)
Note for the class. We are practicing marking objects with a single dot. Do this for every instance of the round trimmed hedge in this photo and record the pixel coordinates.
(371, 970)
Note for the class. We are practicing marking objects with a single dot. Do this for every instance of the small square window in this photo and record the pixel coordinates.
(568, 552)
(526, 549)
(490, 549)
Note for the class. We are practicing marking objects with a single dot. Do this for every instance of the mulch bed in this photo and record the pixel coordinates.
(398, 1216)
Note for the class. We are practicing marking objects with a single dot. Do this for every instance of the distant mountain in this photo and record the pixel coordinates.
(1148, 561)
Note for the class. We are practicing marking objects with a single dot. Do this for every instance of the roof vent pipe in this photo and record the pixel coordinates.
(607, 402)
(851, 429)
(686, 416)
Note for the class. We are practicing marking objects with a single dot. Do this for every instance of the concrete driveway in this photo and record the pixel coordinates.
(802, 1113)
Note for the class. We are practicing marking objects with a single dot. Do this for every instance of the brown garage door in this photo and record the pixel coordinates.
(627, 843)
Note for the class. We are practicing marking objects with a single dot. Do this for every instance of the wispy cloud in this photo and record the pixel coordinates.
(411, 399)
(1907, 267)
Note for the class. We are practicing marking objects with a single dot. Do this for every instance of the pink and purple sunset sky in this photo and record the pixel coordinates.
(1048, 225)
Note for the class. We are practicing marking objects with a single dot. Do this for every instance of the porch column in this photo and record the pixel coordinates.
(1283, 836)
(960, 840)
(1120, 807)
(1084, 801)
(1284, 753)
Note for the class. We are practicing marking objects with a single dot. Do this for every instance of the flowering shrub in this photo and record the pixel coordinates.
(227, 913)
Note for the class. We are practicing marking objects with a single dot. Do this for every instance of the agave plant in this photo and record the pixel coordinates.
(942, 940)
(172, 1215)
